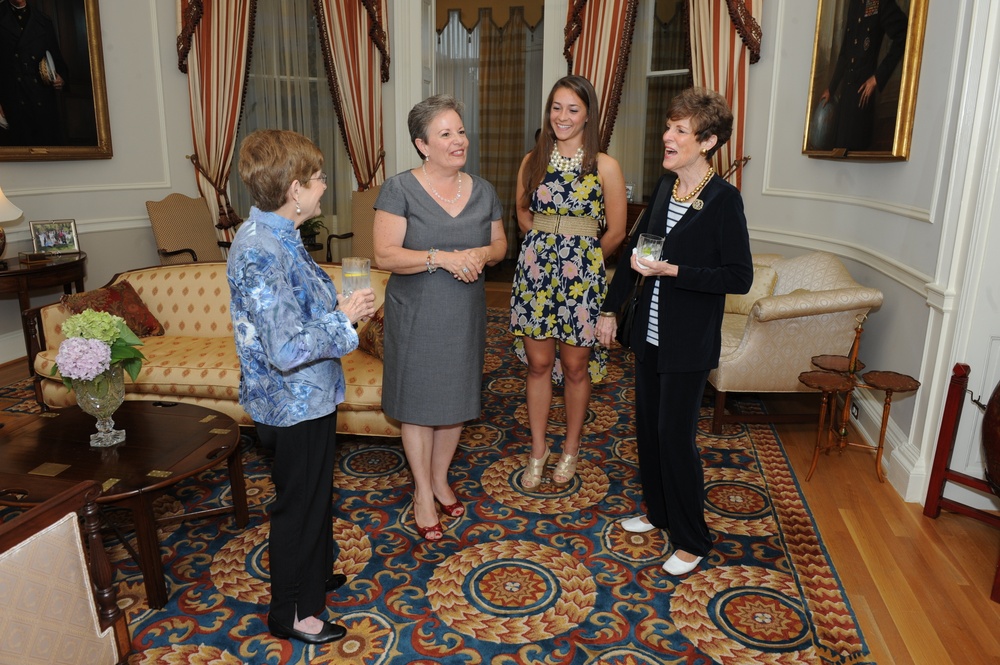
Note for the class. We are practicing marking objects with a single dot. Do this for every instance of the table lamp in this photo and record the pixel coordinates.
(8, 213)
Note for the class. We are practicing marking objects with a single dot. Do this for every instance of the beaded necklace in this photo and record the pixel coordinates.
(694, 192)
(423, 167)
(560, 163)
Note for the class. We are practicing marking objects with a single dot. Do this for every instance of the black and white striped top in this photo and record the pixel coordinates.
(675, 211)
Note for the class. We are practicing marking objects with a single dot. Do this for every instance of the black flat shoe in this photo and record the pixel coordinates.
(335, 581)
(331, 632)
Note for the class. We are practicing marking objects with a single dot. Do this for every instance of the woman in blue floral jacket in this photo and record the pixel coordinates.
(291, 330)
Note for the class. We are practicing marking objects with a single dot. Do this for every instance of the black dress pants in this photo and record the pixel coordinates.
(301, 548)
(673, 480)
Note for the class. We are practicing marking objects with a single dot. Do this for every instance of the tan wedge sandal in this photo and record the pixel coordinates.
(532, 476)
(565, 469)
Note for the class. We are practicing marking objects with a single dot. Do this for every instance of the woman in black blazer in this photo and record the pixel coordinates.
(677, 331)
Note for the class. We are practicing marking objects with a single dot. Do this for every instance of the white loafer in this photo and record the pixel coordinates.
(636, 525)
(677, 566)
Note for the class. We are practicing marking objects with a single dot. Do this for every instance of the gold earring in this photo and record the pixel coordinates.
(704, 152)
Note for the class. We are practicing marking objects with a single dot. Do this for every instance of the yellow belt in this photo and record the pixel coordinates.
(566, 225)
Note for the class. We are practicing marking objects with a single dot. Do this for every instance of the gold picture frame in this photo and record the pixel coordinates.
(75, 107)
(856, 43)
(54, 236)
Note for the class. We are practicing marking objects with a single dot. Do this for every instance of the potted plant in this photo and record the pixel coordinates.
(310, 229)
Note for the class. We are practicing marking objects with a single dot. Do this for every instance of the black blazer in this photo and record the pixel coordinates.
(711, 249)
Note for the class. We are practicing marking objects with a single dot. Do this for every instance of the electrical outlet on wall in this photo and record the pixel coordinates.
(855, 411)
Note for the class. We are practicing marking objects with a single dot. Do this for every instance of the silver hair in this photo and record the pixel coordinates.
(421, 116)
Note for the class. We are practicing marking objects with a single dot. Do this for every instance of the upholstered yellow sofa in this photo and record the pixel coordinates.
(195, 359)
(797, 308)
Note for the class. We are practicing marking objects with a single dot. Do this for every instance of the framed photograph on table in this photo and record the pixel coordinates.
(53, 96)
(54, 236)
(863, 87)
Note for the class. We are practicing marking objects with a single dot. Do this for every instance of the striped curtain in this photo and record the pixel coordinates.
(598, 44)
(725, 41)
(213, 49)
(501, 104)
(356, 52)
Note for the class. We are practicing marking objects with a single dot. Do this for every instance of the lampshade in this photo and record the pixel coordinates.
(8, 211)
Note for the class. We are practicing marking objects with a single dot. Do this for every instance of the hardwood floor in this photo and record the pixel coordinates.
(919, 586)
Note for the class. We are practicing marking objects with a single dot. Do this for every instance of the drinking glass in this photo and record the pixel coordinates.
(649, 246)
(357, 274)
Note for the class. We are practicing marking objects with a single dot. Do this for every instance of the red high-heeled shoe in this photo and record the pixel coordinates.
(452, 509)
(427, 531)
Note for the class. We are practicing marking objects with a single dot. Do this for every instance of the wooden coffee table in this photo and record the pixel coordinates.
(165, 442)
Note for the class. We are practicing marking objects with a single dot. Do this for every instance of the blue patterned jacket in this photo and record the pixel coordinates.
(289, 333)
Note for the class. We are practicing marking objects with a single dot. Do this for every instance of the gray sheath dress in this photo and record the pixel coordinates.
(435, 325)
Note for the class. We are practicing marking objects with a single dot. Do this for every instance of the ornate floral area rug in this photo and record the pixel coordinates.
(545, 576)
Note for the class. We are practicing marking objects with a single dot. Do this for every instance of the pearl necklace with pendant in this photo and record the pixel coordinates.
(560, 163)
(423, 167)
(694, 192)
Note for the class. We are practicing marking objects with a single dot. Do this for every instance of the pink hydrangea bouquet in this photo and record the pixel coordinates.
(94, 342)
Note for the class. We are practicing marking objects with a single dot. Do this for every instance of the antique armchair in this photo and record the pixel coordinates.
(798, 308)
(184, 230)
(58, 604)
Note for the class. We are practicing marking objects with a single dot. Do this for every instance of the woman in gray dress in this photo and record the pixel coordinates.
(436, 229)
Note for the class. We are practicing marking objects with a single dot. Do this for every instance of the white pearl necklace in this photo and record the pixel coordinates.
(423, 166)
(560, 163)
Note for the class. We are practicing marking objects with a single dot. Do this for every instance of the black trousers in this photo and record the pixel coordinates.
(673, 481)
(301, 546)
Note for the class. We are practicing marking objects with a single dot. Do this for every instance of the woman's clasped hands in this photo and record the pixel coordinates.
(465, 265)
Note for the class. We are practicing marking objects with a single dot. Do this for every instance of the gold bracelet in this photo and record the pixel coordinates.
(607, 315)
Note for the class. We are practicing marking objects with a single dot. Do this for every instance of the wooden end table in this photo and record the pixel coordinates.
(65, 270)
(165, 442)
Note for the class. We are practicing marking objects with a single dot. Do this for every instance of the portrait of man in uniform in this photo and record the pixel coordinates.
(51, 80)
(862, 51)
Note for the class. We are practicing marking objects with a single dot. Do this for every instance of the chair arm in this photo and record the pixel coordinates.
(175, 252)
(329, 243)
(36, 333)
(810, 303)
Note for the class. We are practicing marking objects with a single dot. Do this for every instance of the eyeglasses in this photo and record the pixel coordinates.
(321, 176)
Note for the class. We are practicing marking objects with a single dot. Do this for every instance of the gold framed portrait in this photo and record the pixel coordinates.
(53, 95)
(863, 83)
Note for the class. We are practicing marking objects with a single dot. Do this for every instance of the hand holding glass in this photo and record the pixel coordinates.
(649, 247)
(356, 272)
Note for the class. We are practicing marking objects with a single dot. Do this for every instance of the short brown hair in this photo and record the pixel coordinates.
(422, 115)
(271, 160)
(709, 113)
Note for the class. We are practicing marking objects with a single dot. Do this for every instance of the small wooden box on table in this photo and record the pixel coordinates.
(165, 442)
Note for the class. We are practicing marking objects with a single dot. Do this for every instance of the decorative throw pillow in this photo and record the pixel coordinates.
(371, 333)
(121, 300)
(764, 279)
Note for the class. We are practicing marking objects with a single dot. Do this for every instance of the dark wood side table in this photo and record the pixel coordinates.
(165, 442)
(65, 270)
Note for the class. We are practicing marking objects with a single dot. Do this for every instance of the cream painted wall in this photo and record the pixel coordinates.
(150, 133)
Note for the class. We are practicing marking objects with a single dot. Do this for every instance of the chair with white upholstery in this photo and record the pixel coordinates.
(797, 308)
(58, 604)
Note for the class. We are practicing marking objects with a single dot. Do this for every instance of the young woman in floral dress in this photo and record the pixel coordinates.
(571, 206)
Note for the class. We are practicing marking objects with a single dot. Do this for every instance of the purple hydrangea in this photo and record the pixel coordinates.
(83, 359)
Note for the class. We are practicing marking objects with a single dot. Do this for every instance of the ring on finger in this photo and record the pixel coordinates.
(465, 270)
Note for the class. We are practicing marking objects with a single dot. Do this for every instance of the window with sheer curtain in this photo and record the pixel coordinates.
(287, 89)
(456, 70)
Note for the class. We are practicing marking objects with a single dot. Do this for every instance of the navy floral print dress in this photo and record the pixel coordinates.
(559, 283)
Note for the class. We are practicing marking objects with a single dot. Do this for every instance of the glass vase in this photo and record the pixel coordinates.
(101, 397)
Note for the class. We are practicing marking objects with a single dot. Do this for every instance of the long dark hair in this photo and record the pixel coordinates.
(538, 158)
